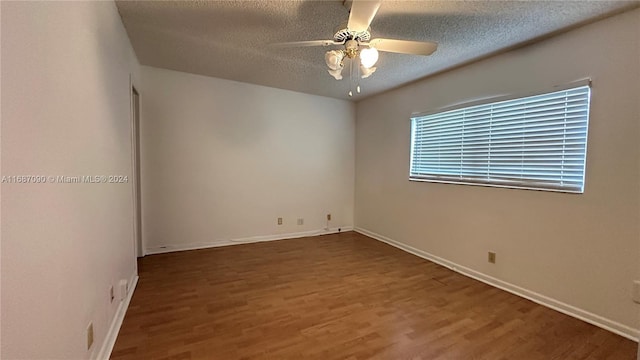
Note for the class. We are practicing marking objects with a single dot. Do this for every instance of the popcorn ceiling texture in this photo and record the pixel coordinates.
(229, 39)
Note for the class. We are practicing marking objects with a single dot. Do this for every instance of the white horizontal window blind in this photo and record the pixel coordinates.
(536, 142)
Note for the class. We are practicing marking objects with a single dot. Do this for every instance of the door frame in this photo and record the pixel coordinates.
(138, 239)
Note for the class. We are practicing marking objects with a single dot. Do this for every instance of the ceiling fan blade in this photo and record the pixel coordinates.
(362, 13)
(306, 43)
(404, 46)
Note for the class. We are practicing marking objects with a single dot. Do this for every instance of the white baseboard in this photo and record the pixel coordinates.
(114, 329)
(246, 240)
(597, 320)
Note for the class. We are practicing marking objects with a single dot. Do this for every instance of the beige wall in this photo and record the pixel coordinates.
(580, 250)
(222, 160)
(65, 111)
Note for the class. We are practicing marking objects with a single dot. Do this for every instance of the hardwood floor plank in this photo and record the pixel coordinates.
(342, 296)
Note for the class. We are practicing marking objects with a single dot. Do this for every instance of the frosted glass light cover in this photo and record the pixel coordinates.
(368, 57)
(337, 74)
(366, 72)
(333, 58)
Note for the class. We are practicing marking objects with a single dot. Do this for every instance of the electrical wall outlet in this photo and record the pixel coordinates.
(279, 221)
(636, 291)
(328, 217)
(300, 221)
(111, 295)
(492, 257)
(89, 336)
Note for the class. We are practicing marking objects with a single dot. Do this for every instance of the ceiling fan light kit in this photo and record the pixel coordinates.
(359, 49)
(367, 58)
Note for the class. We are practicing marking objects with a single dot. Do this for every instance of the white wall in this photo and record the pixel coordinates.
(581, 250)
(222, 160)
(65, 111)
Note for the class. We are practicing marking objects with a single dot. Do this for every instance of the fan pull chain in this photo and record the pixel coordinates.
(351, 80)
(358, 75)
(354, 76)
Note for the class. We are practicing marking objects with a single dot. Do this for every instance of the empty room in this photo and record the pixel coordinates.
(337, 179)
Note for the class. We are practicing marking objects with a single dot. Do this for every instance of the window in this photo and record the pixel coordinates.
(536, 142)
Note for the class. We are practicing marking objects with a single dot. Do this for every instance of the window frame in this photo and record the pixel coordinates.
(497, 99)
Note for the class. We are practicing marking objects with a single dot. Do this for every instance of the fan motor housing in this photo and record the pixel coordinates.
(342, 34)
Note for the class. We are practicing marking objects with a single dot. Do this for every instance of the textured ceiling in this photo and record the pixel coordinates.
(229, 39)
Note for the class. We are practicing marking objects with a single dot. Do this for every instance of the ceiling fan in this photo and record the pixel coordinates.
(354, 35)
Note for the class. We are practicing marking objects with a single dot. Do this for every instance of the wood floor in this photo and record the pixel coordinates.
(342, 296)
